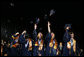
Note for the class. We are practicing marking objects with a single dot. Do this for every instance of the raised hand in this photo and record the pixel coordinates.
(24, 32)
(17, 33)
(49, 27)
(48, 23)
(67, 28)
(35, 26)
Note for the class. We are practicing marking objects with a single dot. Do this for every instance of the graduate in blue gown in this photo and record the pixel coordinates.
(60, 49)
(14, 44)
(66, 39)
(51, 48)
(73, 45)
(35, 33)
(35, 41)
(39, 44)
(48, 36)
(29, 47)
(35, 49)
(22, 43)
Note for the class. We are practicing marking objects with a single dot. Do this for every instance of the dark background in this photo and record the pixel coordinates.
(22, 15)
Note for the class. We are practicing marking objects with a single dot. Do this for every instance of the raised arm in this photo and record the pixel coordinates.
(24, 32)
(35, 26)
(22, 37)
(49, 30)
(35, 32)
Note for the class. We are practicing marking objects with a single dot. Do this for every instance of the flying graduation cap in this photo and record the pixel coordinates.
(52, 12)
(37, 20)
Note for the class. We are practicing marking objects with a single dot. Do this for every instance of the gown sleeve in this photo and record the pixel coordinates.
(35, 35)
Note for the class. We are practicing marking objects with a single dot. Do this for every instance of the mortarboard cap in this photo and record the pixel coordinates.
(67, 25)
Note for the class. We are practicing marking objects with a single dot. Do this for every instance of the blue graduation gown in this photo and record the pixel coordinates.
(66, 38)
(35, 51)
(28, 53)
(72, 52)
(54, 52)
(50, 51)
(13, 50)
(41, 51)
(35, 35)
(22, 43)
(48, 38)
(35, 47)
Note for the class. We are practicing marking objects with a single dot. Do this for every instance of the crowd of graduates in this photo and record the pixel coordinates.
(22, 45)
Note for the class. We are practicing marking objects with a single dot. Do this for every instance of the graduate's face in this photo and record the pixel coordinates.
(60, 44)
(72, 35)
(67, 28)
(53, 35)
(39, 35)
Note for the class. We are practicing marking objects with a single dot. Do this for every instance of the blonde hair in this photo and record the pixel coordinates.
(39, 34)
